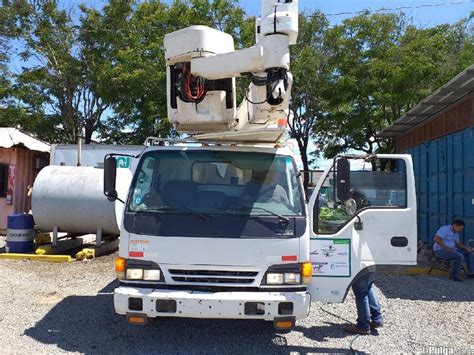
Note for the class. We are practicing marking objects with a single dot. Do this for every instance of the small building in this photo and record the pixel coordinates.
(439, 134)
(21, 158)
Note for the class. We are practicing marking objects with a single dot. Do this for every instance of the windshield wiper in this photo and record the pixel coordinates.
(242, 207)
(175, 208)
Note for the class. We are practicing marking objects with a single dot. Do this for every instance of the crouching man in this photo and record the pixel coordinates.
(447, 246)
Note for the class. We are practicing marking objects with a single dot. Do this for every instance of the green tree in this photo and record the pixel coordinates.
(10, 113)
(310, 70)
(382, 65)
(59, 82)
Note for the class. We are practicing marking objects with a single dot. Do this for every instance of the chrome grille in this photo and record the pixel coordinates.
(213, 276)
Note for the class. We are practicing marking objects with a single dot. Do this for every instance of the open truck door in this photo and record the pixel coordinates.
(363, 213)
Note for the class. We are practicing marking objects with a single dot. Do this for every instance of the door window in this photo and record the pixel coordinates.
(373, 183)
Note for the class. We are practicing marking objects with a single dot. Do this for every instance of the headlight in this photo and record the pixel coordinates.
(288, 278)
(137, 270)
(151, 275)
(134, 274)
(289, 274)
(292, 278)
(274, 279)
(143, 274)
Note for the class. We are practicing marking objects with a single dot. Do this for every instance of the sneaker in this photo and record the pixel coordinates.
(352, 328)
(375, 325)
(457, 279)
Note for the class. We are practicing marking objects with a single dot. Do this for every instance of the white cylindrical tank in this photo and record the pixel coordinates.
(72, 199)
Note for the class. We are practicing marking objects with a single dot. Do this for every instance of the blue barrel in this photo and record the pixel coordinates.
(20, 233)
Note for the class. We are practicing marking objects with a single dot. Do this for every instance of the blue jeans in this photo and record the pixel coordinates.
(368, 307)
(457, 257)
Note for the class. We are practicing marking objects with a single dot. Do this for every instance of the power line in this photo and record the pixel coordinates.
(360, 12)
(401, 8)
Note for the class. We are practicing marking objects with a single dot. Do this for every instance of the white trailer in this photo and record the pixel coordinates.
(92, 155)
(218, 227)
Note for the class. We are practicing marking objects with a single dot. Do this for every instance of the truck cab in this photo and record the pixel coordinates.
(215, 232)
(225, 232)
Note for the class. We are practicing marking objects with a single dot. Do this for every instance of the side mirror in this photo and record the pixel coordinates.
(343, 179)
(110, 173)
(350, 206)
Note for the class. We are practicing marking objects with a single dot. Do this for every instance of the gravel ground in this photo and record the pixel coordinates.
(55, 308)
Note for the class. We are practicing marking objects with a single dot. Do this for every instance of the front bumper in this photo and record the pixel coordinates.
(224, 305)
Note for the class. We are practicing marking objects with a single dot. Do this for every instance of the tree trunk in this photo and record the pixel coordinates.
(88, 130)
(304, 159)
(305, 174)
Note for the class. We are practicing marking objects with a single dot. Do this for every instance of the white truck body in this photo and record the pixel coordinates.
(220, 228)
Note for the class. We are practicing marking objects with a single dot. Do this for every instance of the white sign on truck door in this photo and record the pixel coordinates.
(332, 257)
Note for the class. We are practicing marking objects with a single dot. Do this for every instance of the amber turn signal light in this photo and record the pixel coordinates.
(284, 322)
(120, 266)
(137, 319)
(306, 272)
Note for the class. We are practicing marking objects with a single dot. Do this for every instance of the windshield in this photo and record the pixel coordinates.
(216, 182)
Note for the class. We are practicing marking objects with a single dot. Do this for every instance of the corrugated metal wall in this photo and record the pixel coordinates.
(455, 118)
(444, 173)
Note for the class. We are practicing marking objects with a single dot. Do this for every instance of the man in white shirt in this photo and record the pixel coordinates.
(447, 246)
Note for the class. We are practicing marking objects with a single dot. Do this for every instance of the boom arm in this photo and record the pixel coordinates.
(202, 67)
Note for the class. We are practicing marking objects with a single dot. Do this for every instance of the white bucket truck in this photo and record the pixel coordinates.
(217, 226)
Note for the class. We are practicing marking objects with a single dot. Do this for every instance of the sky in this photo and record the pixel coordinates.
(425, 13)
